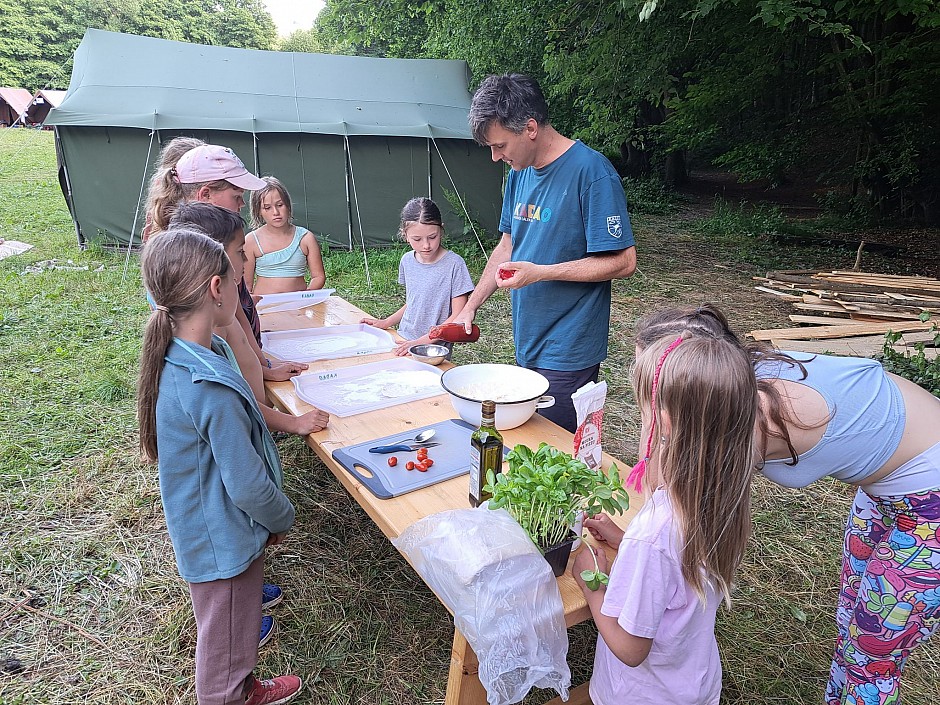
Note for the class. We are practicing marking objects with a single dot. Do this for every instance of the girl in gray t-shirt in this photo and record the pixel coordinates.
(436, 280)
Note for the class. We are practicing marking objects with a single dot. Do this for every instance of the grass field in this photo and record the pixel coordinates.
(91, 607)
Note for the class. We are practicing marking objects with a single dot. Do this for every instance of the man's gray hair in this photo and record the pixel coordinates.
(510, 100)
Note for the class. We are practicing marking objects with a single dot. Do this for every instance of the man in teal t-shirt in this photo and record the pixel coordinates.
(565, 235)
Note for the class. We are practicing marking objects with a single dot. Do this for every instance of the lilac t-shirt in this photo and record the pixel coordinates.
(650, 599)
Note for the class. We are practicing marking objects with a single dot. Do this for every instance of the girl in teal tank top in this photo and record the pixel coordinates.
(278, 252)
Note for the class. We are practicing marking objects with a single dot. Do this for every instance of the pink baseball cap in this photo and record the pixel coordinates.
(213, 162)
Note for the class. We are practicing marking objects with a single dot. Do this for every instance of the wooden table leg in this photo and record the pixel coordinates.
(577, 696)
(463, 681)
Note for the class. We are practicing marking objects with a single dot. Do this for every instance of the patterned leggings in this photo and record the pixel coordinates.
(890, 596)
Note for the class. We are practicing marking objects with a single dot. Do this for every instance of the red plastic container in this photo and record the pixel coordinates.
(455, 333)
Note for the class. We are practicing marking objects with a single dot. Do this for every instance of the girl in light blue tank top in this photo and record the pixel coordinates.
(278, 252)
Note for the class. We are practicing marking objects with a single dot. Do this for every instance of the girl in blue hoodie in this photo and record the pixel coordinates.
(220, 475)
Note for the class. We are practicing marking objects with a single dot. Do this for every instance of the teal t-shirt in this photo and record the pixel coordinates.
(565, 211)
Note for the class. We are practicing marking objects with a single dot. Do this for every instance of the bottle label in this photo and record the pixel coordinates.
(474, 472)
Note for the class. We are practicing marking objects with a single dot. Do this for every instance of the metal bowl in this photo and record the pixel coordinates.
(431, 354)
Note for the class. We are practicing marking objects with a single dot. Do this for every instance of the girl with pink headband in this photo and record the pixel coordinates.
(675, 562)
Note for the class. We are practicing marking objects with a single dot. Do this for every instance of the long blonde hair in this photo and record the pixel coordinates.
(707, 389)
(707, 320)
(162, 195)
(273, 185)
(177, 268)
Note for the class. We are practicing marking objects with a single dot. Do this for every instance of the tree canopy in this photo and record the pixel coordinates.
(838, 93)
(39, 37)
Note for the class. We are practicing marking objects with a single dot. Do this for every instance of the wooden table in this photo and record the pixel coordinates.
(394, 515)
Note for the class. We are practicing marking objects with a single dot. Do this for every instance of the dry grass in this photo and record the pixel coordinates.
(90, 601)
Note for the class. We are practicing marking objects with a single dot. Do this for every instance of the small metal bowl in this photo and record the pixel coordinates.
(431, 354)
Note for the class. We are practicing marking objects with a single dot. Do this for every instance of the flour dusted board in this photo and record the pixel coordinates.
(327, 343)
(451, 459)
(361, 388)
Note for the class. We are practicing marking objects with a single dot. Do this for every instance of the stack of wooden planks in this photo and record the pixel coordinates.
(848, 313)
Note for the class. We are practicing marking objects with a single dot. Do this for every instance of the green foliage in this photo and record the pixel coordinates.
(39, 37)
(546, 490)
(648, 195)
(743, 219)
(915, 366)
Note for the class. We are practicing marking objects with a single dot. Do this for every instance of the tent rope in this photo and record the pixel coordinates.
(140, 197)
(362, 237)
(459, 199)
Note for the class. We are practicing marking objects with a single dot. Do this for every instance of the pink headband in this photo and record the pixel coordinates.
(639, 470)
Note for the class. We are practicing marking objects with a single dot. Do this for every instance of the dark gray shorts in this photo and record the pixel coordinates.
(562, 384)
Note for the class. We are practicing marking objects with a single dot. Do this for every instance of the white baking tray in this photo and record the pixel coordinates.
(292, 300)
(326, 343)
(377, 385)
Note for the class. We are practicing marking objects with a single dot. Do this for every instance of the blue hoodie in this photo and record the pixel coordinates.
(220, 475)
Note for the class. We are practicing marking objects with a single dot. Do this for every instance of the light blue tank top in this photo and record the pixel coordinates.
(866, 419)
(289, 262)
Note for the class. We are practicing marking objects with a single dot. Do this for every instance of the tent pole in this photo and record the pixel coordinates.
(430, 180)
(348, 201)
(362, 237)
(462, 204)
(140, 197)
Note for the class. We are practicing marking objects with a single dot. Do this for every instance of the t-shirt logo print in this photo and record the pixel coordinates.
(613, 225)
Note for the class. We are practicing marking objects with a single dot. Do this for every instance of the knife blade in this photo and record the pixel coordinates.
(401, 448)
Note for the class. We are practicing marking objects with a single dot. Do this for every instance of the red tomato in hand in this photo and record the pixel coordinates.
(392, 462)
(506, 273)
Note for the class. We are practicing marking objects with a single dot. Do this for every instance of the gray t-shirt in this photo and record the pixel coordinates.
(428, 291)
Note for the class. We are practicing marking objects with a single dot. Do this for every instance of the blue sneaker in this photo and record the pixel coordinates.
(270, 595)
(267, 629)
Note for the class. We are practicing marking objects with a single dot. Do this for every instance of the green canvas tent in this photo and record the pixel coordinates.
(353, 138)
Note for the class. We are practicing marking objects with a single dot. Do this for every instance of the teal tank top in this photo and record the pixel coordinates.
(289, 262)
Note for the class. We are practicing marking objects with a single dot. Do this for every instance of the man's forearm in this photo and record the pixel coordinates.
(593, 268)
(487, 284)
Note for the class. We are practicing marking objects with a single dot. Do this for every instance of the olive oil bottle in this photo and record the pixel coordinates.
(486, 453)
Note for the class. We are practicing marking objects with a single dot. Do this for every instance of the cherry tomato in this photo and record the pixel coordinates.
(409, 465)
(422, 466)
(392, 462)
(506, 273)
(428, 462)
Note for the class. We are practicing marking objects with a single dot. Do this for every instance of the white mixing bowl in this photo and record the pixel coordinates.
(518, 392)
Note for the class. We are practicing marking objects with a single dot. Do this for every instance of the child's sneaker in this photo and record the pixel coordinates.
(270, 595)
(267, 629)
(276, 691)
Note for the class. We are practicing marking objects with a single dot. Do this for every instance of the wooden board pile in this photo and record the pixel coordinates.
(848, 313)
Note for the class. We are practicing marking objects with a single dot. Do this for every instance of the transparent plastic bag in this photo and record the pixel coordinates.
(505, 600)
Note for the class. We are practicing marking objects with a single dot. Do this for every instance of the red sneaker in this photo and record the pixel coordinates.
(276, 691)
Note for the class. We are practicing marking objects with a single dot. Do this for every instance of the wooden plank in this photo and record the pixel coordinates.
(865, 346)
(843, 331)
(821, 320)
(781, 294)
(861, 346)
(811, 282)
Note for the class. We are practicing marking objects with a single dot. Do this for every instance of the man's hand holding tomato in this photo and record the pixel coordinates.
(515, 275)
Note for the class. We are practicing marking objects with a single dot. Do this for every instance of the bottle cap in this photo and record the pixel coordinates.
(489, 409)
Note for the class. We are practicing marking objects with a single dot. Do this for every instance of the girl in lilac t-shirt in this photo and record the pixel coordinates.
(656, 617)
